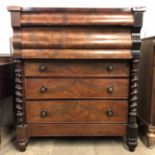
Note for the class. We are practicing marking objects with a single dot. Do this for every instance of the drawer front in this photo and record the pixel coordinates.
(72, 38)
(75, 111)
(76, 88)
(77, 68)
(77, 17)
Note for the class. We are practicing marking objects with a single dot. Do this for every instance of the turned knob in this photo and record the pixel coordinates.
(109, 68)
(110, 89)
(43, 89)
(109, 113)
(43, 68)
(43, 114)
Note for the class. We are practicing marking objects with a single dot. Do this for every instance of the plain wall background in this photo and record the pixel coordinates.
(5, 25)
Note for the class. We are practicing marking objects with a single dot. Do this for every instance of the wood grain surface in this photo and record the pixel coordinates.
(77, 111)
(73, 38)
(76, 130)
(77, 68)
(76, 88)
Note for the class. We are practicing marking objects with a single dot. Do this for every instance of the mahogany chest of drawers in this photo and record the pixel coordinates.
(146, 107)
(76, 72)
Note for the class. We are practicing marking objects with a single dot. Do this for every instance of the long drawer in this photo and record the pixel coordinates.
(76, 88)
(72, 38)
(77, 17)
(77, 111)
(93, 68)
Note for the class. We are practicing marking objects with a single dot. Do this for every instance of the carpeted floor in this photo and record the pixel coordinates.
(73, 146)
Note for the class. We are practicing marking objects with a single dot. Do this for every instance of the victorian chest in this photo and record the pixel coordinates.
(76, 72)
(146, 107)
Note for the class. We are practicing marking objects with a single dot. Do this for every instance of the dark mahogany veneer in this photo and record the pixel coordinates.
(76, 72)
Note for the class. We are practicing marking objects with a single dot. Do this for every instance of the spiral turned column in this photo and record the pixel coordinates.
(21, 132)
(19, 94)
(133, 101)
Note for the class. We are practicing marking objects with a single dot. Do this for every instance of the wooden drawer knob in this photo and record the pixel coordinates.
(109, 113)
(43, 114)
(43, 89)
(110, 89)
(42, 68)
(109, 68)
